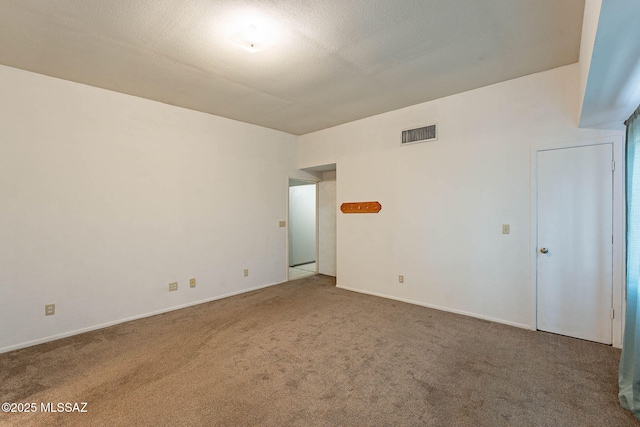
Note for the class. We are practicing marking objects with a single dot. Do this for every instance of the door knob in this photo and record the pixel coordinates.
(544, 250)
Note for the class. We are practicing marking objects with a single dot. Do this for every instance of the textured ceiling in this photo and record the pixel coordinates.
(327, 62)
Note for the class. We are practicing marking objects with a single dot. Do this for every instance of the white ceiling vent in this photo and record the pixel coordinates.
(423, 134)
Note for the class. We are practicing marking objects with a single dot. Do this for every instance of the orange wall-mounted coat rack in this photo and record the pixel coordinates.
(360, 207)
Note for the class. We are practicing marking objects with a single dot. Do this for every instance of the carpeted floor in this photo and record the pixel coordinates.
(305, 353)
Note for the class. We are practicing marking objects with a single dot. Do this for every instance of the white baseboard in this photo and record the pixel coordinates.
(128, 319)
(437, 307)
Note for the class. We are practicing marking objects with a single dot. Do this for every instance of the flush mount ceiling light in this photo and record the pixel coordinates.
(250, 39)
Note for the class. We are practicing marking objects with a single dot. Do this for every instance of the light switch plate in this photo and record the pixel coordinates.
(506, 229)
(173, 286)
(283, 224)
(192, 283)
(49, 309)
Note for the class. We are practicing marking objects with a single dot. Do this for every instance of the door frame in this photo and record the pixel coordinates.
(618, 266)
(309, 181)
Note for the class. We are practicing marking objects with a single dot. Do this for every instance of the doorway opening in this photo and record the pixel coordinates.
(303, 227)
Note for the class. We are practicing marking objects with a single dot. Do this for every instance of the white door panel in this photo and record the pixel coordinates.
(574, 277)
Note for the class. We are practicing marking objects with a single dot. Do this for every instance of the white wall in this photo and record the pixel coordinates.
(302, 224)
(327, 210)
(106, 198)
(443, 202)
(609, 55)
(587, 41)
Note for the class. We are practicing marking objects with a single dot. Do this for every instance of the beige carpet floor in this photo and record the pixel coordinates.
(305, 353)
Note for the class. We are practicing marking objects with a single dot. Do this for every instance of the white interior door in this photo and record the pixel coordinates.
(575, 249)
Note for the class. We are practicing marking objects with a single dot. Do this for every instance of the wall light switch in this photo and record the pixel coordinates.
(49, 309)
(246, 272)
(401, 279)
(506, 229)
(173, 286)
(192, 283)
(283, 224)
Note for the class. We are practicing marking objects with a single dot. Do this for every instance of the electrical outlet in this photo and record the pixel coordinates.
(173, 286)
(246, 272)
(49, 309)
(506, 229)
(283, 224)
(192, 283)
(401, 279)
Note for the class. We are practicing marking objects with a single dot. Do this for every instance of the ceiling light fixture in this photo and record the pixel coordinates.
(250, 39)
